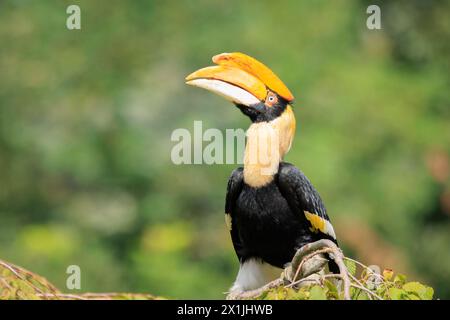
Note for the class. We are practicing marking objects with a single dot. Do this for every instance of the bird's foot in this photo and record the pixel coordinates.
(305, 267)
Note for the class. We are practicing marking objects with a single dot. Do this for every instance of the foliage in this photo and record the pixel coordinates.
(306, 278)
(19, 283)
(388, 290)
(86, 118)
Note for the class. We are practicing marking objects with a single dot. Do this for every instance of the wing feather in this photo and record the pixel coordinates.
(304, 198)
(234, 188)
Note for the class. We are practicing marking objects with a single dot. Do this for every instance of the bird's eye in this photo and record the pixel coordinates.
(271, 99)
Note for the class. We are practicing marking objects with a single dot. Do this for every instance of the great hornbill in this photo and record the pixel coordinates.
(271, 209)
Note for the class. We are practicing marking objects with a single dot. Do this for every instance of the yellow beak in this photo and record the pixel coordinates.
(240, 79)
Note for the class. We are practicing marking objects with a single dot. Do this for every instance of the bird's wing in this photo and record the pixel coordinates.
(304, 199)
(234, 188)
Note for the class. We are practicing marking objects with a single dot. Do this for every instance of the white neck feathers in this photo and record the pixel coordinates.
(267, 143)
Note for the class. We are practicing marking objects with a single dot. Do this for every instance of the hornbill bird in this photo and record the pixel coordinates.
(271, 208)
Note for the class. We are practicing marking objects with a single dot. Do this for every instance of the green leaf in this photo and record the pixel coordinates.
(429, 293)
(414, 287)
(351, 266)
(317, 293)
(263, 296)
(301, 294)
(363, 296)
(396, 294)
(422, 291)
(382, 291)
(400, 279)
(332, 289)
(276, 294)
(413, 296)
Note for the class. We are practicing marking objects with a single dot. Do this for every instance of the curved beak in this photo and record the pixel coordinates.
(240, 79)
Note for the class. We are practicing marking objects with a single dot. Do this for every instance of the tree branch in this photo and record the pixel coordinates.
(301, 257)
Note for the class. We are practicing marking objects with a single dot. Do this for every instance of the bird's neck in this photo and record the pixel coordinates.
(267, 143)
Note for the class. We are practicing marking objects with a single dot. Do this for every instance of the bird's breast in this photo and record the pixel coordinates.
(268, 228)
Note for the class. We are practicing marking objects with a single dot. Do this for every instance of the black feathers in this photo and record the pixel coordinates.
(298, 190)
(269, 222)
(261, 112)
(234, 188)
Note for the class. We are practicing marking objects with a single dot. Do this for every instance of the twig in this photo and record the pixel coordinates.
(366, 290)
(27, 277)
(292, 284)
(5, 283)
(337, 257)
(364, 267)
(113, 295)
(358, 282)
(344, 273)
(17, 274)
(257, 292)
(303, 254)
(306, 258)
(61, 295)
(359, 285)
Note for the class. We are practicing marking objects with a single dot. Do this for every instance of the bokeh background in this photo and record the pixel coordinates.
(86, 118)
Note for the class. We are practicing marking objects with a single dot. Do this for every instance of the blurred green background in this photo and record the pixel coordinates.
(86, 118)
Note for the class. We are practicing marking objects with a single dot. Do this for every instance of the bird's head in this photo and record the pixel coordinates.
(246, 82)
(264, 98)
